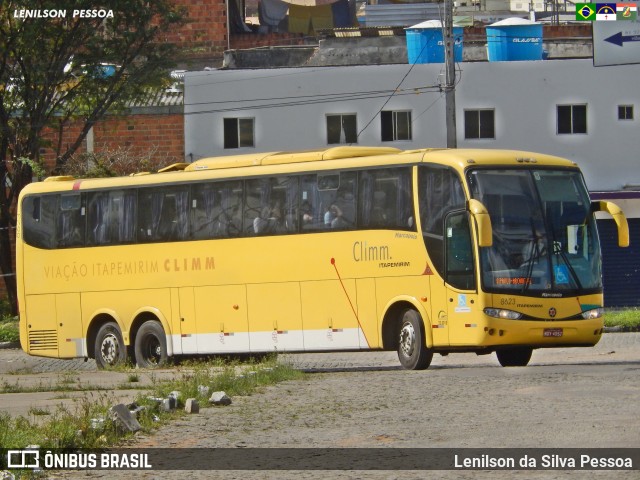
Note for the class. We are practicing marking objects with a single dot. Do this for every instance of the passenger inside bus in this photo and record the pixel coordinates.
(270, 219)
(341, 214)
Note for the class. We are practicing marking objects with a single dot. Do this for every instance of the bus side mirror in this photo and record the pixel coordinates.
(483, 222)
(618, 217)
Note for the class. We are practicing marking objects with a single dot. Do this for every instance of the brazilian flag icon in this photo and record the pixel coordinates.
(586, 12)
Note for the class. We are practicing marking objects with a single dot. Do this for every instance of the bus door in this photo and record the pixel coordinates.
(460, 279)
(454, 297)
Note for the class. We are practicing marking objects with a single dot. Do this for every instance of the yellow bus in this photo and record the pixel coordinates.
(347, 248)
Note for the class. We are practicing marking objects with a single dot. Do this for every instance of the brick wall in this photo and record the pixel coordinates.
(478, 34)
(566, 31)
(162, 134)
(204, 35)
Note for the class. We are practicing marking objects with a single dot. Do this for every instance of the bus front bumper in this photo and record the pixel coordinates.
(537, 333)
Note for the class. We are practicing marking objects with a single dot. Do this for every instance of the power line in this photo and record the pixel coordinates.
(329, 96)
(303, 101)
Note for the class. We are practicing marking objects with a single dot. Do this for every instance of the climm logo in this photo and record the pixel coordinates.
(363, 252)
(189, 264)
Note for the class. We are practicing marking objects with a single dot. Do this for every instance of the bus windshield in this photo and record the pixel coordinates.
(544, 234)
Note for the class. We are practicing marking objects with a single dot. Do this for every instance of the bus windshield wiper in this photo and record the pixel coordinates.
(536, 254)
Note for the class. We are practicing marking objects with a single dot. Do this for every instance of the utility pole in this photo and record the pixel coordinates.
(450, 75)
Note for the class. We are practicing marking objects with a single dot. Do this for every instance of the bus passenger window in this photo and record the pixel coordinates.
(385, 199)
(39, 220)
(271, 206)
(71, 221)
(216, 210)
(341, 212)
(111, 217)
(163, 214)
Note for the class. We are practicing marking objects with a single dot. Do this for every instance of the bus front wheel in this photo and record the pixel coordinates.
(109, 347)
(151, 345)
(514, 357)
(412, 351)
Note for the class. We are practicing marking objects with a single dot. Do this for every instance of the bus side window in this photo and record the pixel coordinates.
(292, 206)
(39, 220)
(71, 221)
(111, 217)
(342, 212)
(385, 199)
(215, 209)
(311, 206)
(163, 214)
(271, 206)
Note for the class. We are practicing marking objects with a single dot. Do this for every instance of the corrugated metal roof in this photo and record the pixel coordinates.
(158, 98)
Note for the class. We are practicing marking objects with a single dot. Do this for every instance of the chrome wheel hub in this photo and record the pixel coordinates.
(407, 339)
(109, 349)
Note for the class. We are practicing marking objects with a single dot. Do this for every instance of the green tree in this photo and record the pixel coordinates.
(58, 69)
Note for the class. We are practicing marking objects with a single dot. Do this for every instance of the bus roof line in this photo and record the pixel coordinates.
(60, 178)
(174, 167)
(278, 158)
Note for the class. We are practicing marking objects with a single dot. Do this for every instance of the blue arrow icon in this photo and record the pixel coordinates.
(619, 39)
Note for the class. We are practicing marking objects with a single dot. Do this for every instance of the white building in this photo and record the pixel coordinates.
(564, 107)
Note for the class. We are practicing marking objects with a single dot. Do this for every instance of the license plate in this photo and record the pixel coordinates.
(552, 332)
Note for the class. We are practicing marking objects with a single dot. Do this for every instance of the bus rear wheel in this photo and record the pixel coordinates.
(514, 357)
(110, 350)
(412, 351)
(151, 345)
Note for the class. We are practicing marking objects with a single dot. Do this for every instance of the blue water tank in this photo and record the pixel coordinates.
(514, 39)
(425, 44)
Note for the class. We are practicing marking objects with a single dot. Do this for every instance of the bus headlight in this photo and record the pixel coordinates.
(502, 313)
(592, 314)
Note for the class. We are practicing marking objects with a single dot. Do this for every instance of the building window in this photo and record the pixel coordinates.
(625, 112)
(479, 124)
(238, 132)
(572, 119)
(395, 125)
(342, 128)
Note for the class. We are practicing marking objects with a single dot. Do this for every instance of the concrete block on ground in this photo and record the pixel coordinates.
(192, 406)
(220, 398)
(121, 415)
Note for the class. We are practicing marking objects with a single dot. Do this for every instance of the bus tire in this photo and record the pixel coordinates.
(514, 357)
(412, 351)
(151, 345)
(110, 349)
